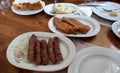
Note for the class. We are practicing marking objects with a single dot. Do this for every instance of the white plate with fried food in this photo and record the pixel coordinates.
(61, 9)
(74, 25)
(96, 60)
(17, 52)
(28, 12)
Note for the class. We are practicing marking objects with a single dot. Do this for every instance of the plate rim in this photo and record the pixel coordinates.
(34, 11)
(60, 14)
(92, 49)
(64, 64)
(114, 26)
(95, 32)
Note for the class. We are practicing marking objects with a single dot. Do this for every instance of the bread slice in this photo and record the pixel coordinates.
(24, 5)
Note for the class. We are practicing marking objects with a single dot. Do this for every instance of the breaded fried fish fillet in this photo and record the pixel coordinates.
(75, 23)
(63, 26)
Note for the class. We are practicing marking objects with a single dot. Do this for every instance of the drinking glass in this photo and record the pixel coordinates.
(3, 5)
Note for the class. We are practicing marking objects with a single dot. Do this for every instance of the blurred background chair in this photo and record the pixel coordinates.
(67, 1)
(73, 1)
(80, 1)
(117, 1)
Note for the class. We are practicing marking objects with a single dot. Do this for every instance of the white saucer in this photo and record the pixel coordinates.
(96, 60)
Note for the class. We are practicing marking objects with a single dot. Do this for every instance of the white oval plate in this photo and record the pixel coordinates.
(48, 8)
(116, 27)
(28, 12)
(105, 14)
(96, 60)
(92, 23)
(68, 51)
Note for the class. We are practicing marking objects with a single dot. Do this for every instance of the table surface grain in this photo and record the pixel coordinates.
(12, 25)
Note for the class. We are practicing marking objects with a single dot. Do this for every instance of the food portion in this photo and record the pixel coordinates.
(63, 9)
(70, 25)
(44, 53)
(58, 55)
(113, 13)
(31, 51)
(24, 5)
(39, 51)
(51, 50)
(63, 26)
(21, 50)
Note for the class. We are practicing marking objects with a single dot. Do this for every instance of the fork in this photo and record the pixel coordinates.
(110, 10)
(55, 1)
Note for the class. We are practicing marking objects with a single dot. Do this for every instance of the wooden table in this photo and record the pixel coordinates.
(12, 25)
